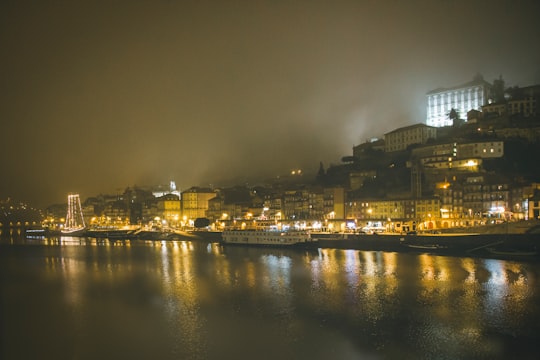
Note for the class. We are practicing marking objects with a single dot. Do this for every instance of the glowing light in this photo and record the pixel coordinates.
(317, 225)
(497, 209)
(74, 218)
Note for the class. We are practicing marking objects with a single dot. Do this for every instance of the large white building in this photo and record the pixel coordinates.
(463, 98)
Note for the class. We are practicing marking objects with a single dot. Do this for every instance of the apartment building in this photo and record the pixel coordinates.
(195, 202)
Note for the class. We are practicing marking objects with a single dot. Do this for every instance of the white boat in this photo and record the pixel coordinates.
(267, 238)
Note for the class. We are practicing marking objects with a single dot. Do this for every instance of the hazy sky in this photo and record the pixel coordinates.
(100, 95)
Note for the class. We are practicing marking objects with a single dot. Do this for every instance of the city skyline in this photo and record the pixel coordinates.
(101, 96)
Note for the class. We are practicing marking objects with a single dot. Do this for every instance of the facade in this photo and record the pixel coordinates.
(428, 210)
(366, 209)
(463, 98)
(465, 156)
(523, 101)
(534, 205)
(216, 209)
(233, 204)
(400, 139)
(169, 207)
(316, 204)
(296, 204)
(334, 203)
(486, 197)
(272, 205)
(520, 199)
(396, 214)
(450, 197)
(302, 203)
(195, 202)
(484, 150)
(149, 211)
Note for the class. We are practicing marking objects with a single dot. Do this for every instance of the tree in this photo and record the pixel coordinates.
(454, 116)
(201, 222)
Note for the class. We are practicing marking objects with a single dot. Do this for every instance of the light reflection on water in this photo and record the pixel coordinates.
(183, 299)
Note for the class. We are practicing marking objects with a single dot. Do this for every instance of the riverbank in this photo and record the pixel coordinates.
(522, 241)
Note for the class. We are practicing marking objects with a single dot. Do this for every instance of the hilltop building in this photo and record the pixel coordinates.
(161, 190)
(463, 98)
(400, 139)
(523, 101)
(466, 155)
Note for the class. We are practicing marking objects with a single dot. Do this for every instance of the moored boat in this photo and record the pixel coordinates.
(268, 237)
(110, 233)
(512, 252)
(75, 231)
(425, 246)
(35, 232)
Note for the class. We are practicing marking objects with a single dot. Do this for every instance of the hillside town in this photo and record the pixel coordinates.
(471, 163)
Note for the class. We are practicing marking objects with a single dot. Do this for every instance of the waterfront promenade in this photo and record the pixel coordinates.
(504, 241)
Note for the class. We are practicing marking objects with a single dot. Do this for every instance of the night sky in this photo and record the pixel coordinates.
(100, 95)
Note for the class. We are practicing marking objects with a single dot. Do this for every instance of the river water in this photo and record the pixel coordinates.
(76, 298)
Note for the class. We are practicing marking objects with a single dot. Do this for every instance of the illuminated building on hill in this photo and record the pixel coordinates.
(463, 98)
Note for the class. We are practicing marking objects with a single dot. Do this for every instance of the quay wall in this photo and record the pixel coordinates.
(464, 244)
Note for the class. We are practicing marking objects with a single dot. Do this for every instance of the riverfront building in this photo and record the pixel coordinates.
(195, 202)
(396, 214)
(169, 208)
